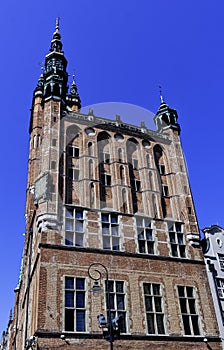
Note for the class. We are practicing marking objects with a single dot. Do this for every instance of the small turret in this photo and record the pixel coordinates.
(73, 100)
(166, 117)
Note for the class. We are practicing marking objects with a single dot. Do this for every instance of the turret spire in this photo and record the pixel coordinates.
(160, 94)
(166, 117)
(73, 99)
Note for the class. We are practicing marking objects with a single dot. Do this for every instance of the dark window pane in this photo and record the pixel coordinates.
(181, 291)
(141, 234)
(69, 299)
(119, 287)
(150, 322)
(195, 325)
(156, 289)
(148, 234)
(120, 302)
(174, 250)
(122, 321)
(105, 217)
(172, 237)
(150, 247)
(69, 283)
(80, 321)
(147, 289)
(113, 219)
(160, 325)
(158, 305)
(183, 305)
(110, 286)
(189, 292)
(187, 329)
(148, 303)
(180, 238)
(111, 297)
(141, 246)
(69, 320)
(80, 283)
(79, 214)
(178, 227)
(191, 303)
(80, 299)
(182, 251)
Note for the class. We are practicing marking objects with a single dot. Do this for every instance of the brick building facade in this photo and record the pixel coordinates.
(103, 191)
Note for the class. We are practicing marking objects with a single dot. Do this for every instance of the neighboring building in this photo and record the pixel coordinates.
(103, 191)
(213, 249)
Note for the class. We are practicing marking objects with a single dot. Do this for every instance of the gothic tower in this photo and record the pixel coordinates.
(114, 197)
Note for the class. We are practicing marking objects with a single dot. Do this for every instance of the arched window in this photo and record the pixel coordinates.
(90, 148)
(122, 177)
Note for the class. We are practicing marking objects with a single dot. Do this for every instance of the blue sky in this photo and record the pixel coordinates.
(121, 51)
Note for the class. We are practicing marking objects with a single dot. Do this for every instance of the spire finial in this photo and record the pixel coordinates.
(57, 24)
(160, 94)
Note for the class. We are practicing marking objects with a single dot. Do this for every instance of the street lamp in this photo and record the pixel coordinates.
(96, 275)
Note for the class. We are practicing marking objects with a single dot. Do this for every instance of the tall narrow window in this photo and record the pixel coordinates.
(117, 302)
(110, 231)
(176, 238)
(90, 148)
(154, 308)
(148, 160)
(75, 306)
(120, 155)
(91, 190)
(124, 200)
(145, 235)
(90, 169)
(122, 174)
(74, 227)
(188, 308)
(150, 180)
(154, 207)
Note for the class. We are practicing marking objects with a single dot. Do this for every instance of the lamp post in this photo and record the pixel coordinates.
(96, 275)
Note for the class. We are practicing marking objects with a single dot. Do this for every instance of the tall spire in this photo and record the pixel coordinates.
(56, 44)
